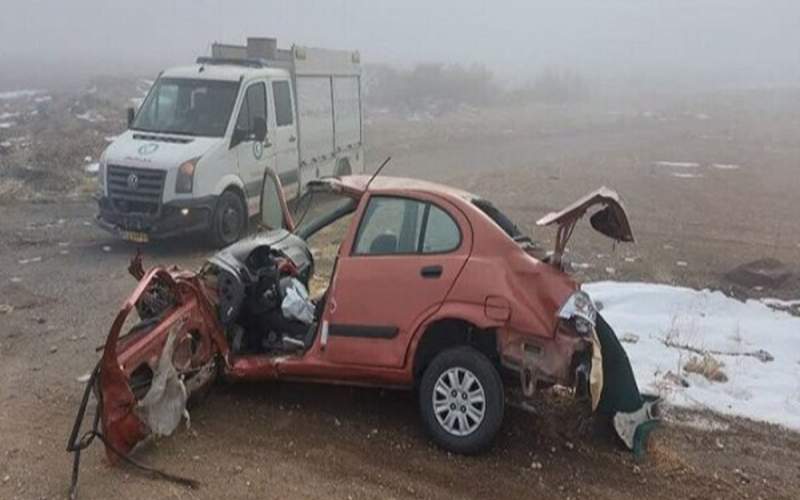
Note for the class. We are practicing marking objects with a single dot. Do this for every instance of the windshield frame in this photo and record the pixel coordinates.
(152, 94)
(306, 230)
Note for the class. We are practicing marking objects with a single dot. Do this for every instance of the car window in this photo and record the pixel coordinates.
(283, 103)
(390, 226)
(254, 106)
(441, 232)
(499, 218)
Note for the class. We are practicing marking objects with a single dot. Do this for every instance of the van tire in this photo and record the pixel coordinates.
(487, 385)
(229, 220)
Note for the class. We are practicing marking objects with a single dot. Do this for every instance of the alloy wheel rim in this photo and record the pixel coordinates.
(459, 401)
(230, 223)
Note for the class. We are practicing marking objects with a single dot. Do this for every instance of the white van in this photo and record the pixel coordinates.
(196, 153)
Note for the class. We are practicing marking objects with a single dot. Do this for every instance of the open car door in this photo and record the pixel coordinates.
(610, 220)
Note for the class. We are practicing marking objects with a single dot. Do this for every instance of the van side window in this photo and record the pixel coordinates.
(254, 106)
(283, 103)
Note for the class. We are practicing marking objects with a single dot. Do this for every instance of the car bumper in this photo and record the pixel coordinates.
(171, 219)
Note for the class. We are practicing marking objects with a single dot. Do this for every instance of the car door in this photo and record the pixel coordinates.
(285, 137)
(252, 143)
(397, 270)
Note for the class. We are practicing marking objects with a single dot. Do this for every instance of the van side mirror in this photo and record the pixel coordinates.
(259, 128)
(131, 116)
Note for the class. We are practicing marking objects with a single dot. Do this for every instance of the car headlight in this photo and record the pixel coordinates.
(184, 181)
(581, 311)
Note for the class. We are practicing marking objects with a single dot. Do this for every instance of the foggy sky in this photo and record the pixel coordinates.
(756, 40)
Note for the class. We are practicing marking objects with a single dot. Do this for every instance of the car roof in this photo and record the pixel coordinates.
(224, 72)
(398, 185)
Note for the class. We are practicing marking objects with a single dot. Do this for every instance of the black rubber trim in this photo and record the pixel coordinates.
(363, 331)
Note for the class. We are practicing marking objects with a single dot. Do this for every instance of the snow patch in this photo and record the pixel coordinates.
(18, 94)
(686, 175)
(709, 321)
(676, 164)
(726, 166)
(7, 124)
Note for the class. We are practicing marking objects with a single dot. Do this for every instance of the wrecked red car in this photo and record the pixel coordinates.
(432, 288)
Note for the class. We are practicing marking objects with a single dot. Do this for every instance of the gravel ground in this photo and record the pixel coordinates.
(65, 280)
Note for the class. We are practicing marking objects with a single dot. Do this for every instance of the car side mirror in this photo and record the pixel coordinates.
(259, 128)
(131, 116)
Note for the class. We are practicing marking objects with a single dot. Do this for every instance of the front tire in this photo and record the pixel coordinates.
(461, 400)
(229, 220)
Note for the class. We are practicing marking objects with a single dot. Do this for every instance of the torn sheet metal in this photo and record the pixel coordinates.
(164, 404)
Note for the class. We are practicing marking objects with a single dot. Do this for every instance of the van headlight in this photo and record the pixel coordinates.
(580, 311)
(101, 175)
(184, 181)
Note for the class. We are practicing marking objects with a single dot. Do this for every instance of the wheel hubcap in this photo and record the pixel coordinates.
(230, 223)
(459, 401)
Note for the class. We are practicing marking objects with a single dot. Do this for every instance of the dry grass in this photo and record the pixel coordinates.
(707, 366)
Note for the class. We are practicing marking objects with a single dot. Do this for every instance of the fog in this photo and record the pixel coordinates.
(701, 41)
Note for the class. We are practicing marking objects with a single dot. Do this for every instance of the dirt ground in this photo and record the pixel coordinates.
(65, 279)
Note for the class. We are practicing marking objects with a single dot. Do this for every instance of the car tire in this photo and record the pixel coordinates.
(456, 423)
(229, 220)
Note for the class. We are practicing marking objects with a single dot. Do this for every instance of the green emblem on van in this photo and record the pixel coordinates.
(149, 148)
(258, 150)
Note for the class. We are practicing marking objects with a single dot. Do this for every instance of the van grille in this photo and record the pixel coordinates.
(135, 189)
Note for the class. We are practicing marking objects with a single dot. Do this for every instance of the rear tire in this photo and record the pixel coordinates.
(461, 400)
(229, 220)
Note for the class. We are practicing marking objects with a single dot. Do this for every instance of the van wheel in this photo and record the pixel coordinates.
(461, 400)
(229, 222)
(343, 168)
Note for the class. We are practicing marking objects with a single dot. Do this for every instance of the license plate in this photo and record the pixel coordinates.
(134, 236)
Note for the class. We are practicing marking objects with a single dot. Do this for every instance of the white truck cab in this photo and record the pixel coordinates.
(197, 152)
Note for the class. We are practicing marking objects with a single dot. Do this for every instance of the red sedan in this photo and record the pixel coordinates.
(432, 289)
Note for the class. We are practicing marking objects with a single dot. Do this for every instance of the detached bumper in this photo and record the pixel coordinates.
(171, 219)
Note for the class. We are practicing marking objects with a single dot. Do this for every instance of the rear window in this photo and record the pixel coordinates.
(499, 218)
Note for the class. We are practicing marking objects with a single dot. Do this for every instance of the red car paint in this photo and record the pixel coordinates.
(488, 281)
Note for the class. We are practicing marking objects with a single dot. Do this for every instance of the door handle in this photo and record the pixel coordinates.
(292, 138)
(431, 272)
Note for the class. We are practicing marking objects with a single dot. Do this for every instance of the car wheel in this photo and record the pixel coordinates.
(229, 221)
(461, 400)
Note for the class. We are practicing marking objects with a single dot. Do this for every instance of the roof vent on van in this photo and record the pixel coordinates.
(262, 48)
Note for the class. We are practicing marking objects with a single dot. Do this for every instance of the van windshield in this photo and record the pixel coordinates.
(187, 106)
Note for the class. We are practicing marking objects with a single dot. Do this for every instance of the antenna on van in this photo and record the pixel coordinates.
(377, 172)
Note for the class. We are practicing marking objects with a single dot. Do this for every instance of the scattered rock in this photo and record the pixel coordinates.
(53, 349)
(681, 263)
(6, 478)
(536, 465)
(719, 444)
(6, 308)
(630, 338)
(611, 271)
(106, 248)
(30, 260)
(569, 445)
(768, 273)
(637, 469)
